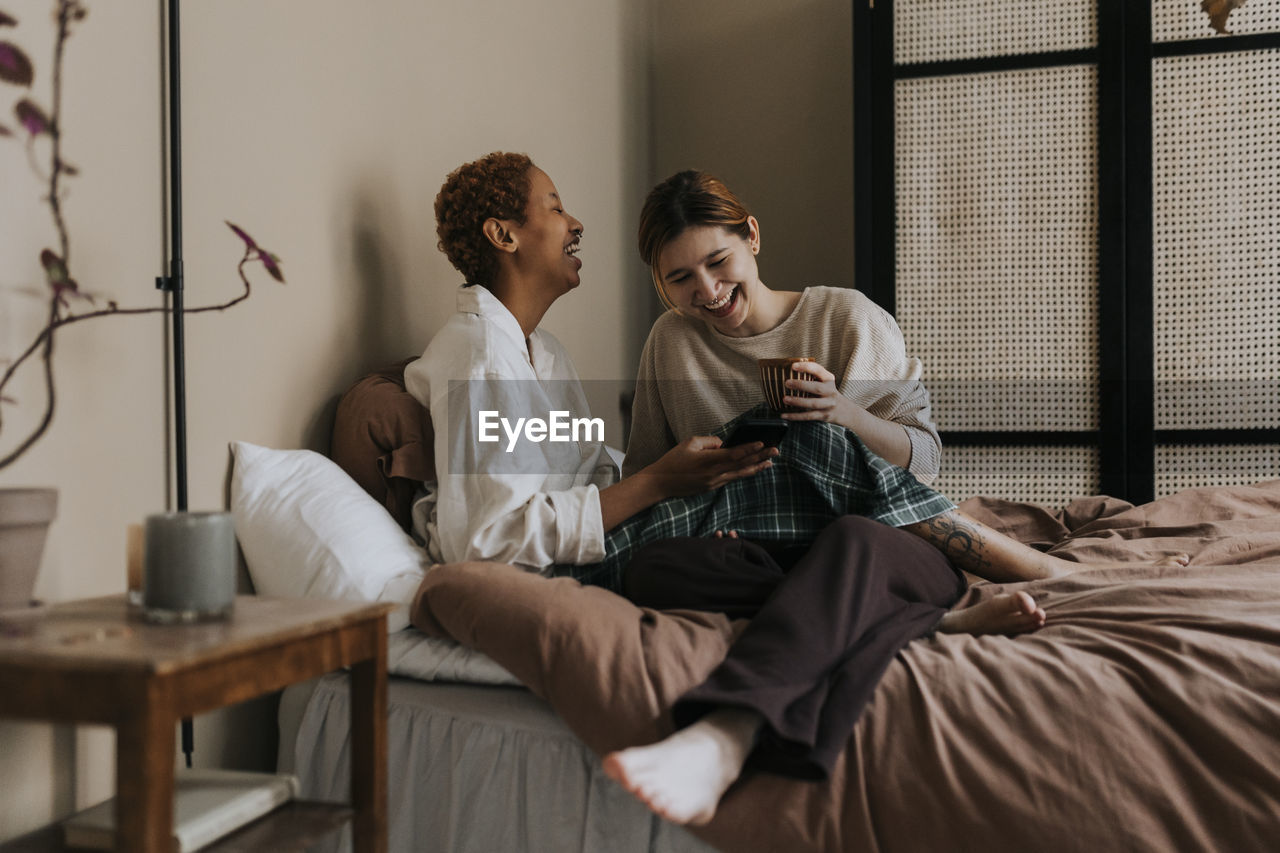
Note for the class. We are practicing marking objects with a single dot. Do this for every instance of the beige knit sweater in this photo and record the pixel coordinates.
(692, 378)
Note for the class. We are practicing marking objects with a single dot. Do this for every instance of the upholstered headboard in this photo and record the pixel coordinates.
(382, 438)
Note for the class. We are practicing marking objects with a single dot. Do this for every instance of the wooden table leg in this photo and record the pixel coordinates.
(144, 777)
(369, 748)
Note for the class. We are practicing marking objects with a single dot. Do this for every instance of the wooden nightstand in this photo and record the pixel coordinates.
(93, 661)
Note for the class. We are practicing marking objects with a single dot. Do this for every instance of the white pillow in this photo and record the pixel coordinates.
(309, 531)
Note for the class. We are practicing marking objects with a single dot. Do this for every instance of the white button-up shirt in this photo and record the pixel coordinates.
(514, 499)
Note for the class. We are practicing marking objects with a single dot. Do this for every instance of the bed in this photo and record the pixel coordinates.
(1144, 716)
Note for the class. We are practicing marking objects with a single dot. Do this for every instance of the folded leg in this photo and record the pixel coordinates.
(812, 656)
(730, 576)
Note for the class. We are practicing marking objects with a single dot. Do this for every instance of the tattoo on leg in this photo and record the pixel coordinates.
(960, 539)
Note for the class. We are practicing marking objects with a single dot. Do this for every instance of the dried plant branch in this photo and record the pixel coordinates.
(58, 321)
(15, 68)
(50, 396)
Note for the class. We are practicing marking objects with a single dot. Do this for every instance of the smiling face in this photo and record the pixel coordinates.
(710, 273)
(548, 241)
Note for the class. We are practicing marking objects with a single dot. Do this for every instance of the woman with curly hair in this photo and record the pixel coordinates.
(501, 495)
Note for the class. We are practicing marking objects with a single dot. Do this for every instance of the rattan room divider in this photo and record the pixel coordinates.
(1072, 207)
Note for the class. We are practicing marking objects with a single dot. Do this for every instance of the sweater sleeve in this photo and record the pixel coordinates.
(651, 434)
(907, 404)
(900, 396)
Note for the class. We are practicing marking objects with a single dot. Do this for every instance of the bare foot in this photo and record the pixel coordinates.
(683, 777)
(1007, 613)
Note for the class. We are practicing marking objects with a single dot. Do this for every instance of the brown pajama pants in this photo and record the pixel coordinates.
(824, 627)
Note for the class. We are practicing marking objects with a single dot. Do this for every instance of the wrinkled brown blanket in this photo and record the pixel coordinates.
(1144, 716)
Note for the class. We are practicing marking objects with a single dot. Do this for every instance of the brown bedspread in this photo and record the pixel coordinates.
(1144, 716)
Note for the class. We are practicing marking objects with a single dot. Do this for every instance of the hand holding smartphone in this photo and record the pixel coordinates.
(770, 431)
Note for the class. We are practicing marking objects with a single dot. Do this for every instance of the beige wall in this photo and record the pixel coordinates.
(325, 132)
(104, 450)
(760, 94)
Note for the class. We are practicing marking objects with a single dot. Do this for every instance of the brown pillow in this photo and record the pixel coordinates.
(382, 438)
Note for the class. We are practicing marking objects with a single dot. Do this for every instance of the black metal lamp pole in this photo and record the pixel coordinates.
(172, 283)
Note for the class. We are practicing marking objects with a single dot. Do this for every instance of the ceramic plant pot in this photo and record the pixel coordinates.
(24, 522)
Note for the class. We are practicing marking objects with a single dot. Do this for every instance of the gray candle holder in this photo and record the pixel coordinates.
(188, 567)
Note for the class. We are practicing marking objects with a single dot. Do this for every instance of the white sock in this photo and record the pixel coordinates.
(683, 777)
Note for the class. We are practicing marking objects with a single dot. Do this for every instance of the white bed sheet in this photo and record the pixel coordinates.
(413, 654)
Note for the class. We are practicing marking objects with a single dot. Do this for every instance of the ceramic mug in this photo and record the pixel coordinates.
(774, 372)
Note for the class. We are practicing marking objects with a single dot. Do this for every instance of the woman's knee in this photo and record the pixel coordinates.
(858, 528)
(655, 567)
(857, 523)
(869, 542)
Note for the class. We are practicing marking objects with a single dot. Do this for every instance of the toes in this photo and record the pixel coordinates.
(1024, 603)
(617, 769)
(1028, 623)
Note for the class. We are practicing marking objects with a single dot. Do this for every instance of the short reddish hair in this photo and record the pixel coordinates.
(497, 186)
(686, 200)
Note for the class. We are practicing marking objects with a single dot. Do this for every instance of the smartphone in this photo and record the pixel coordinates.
(769, 430)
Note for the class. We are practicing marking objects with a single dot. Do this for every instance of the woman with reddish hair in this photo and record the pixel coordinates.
(701, 243)
(828, 618)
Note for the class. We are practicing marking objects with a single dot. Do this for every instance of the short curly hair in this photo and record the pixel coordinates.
(497, 186)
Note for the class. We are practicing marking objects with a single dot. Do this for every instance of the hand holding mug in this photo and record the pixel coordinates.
(811, 395)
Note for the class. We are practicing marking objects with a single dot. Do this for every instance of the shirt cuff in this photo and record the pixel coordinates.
(579, 525)
(925, 455)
